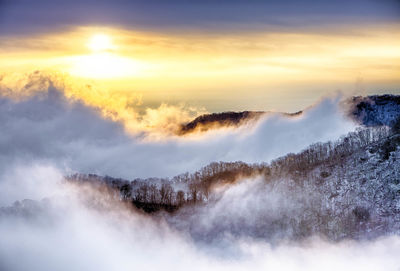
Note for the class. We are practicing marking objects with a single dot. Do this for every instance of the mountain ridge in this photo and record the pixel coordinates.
(370, 111)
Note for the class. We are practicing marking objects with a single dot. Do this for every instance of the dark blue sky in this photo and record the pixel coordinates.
(27, 16)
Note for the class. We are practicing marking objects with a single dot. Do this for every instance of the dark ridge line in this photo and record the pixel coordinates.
(362, 109)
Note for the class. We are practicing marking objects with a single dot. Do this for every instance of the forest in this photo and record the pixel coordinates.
(170, 194)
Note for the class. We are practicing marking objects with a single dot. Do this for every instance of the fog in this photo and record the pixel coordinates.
(47, 126)
(79, 228)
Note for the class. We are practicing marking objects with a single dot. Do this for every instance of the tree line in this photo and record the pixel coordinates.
(153, 194)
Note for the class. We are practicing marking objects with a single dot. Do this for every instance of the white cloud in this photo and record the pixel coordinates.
(50, 128)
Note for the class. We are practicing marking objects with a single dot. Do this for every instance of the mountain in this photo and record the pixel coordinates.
(370, 111)
(344, 192)
(344, 189)
(216, 120)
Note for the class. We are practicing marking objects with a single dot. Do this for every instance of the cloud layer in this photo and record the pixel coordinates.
(48, 127)
(177, 14)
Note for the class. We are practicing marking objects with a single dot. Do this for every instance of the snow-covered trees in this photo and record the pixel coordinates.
(195, 188)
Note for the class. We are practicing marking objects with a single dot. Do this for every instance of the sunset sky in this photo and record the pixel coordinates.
(211, 56)
(193, 135)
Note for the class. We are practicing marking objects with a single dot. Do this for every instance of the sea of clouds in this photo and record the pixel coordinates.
(46, 135)
(50, 128)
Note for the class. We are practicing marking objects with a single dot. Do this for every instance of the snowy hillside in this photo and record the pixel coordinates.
(344, 189)
(376, 110)
(355, 196)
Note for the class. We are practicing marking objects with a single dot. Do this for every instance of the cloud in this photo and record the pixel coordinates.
(34, 181)
(123, 107)
(67, 232)
(68, 133)
(22, 16)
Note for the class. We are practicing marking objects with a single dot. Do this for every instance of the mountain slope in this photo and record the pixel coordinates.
(344, 189)
(376, 110)
(355, 196)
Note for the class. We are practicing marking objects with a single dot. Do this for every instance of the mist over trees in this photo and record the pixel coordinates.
(169, 194)
(348, 188)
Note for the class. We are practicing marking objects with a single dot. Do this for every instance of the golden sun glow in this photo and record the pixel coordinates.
(103, 66)
(103, 62)
(194, 67)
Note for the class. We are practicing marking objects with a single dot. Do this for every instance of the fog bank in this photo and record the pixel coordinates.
(67, 231)
(51, 128)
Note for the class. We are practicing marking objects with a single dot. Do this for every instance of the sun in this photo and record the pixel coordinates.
(100, 43)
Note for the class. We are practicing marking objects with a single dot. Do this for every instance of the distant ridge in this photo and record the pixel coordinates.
(372, 110)
(225, 119)
(215, 120)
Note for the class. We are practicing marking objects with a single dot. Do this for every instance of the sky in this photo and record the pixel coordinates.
(101, 87)
(210, 56)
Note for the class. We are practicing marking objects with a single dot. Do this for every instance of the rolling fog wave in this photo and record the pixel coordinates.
(48, 127)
